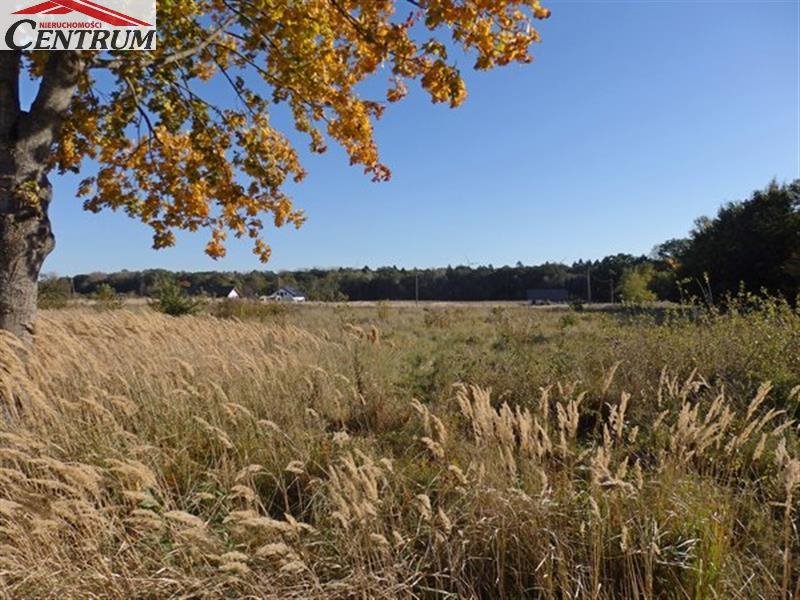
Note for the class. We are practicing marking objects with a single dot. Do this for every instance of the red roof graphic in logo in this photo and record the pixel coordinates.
(90, 9)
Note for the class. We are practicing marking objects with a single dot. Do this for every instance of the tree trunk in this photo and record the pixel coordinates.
(25, 241)
(26, 143)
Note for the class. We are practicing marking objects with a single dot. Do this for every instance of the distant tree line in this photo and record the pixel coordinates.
(384, 283)
(754, 243)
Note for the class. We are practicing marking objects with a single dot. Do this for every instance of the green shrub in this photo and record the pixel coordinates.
(106, 298)
(172, 300)
(634, 287)
(54, 293)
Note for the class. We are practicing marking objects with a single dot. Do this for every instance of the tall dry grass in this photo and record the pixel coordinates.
(143, 456)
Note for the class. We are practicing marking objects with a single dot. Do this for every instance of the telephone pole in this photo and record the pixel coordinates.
(589, 285)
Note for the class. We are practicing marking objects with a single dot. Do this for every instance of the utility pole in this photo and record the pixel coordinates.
(416, 286)
(589, 285)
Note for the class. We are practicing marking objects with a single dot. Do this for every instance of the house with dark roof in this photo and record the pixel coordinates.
(286, 293)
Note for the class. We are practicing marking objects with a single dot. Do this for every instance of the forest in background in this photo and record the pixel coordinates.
(753, 243)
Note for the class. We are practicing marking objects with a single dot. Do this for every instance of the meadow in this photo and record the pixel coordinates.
(394, 451)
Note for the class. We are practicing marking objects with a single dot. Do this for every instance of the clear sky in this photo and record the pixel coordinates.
(635, 118)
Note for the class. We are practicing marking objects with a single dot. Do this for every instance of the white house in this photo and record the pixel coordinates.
(286, 294)
(233, 294)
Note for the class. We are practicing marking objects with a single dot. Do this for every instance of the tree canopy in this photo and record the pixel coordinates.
(174, 157)
(753, 242)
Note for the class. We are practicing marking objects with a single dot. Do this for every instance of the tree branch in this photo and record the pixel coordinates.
(40, 126)
(175, 56)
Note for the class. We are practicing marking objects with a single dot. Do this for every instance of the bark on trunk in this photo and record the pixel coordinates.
(25, 241)
(26, 142)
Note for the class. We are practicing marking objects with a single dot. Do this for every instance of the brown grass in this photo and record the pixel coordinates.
(357, 452)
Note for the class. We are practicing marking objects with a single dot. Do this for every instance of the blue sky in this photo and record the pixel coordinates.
(635, 118)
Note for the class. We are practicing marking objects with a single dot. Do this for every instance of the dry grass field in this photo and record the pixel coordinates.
(402, 452)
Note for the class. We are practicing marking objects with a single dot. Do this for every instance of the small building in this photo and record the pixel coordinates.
(548, 296)
(233, 294)
(286, 294)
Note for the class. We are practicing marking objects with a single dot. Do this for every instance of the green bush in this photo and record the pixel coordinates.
(106, 298)
(634, 287)
(172, 300)
(54, 292)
